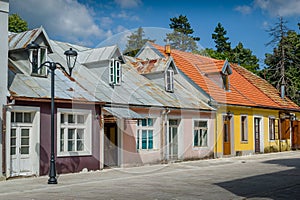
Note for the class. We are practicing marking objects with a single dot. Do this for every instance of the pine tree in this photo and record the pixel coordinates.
(135, 42)
(181, 38)
(221, 41)
(16, 24)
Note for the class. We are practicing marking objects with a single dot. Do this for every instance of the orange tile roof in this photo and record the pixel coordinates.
(246, 89)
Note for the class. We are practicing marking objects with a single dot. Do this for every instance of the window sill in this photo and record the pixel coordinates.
(195, 148)
(146, 150)
(71, 154)
(244, 142)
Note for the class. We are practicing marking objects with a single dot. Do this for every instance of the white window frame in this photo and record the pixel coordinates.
(274, 128)
(139, 131)
(43, 70)
(115, 72)
(169, 80)
(207, 133)
(87, 126)
(246, 129)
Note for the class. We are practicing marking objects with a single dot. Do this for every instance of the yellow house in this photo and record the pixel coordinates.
(251, 117)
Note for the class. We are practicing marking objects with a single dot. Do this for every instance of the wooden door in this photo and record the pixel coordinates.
(257, 134)
(226, 136)
(110, 145)
(295, 135)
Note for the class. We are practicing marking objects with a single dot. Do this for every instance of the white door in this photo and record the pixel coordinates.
(173, 139)
(20, 139)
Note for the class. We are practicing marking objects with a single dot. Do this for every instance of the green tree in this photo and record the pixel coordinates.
(283, 64)
(16, 24)
(181, 38)
(135, 42)
(244, 57)
(221, 41)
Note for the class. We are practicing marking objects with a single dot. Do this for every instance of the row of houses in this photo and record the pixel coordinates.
(117, 111)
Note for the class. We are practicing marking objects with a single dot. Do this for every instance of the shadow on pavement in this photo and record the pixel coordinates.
(277, 186)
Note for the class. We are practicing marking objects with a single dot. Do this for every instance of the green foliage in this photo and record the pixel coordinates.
(16, 24)
(221, 41)
(290, 45)
(135, 42)
(181, 37)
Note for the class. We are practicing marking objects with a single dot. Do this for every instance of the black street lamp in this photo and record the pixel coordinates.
(70, 55)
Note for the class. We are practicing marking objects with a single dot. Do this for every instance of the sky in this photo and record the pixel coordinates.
(96, 23)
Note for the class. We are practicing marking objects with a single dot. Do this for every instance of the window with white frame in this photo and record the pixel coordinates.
(144, 139)
(38, 57)
(75, 132)
(169, 80)
(114, 72)
(244, 128)
(272, 128)
(200, 133)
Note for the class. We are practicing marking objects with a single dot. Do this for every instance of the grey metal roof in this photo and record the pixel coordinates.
(21, 40)
(123, 112)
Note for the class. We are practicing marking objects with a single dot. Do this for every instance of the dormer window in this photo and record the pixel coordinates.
(226, 71)
(114, 72)
(38, 57)
(226, 82)
(169, 80)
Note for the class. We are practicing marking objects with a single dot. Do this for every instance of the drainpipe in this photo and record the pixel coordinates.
(163, 137)
(4, 8)
(216, 136)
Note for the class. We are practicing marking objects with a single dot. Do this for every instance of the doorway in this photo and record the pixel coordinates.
(226, 135)
(110, 145)
(257, 139)
(173, 139)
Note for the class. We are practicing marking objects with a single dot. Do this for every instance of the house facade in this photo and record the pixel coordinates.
(106, 114)
(251, 115)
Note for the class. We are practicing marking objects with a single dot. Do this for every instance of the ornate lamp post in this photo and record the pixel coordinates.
(70, 55)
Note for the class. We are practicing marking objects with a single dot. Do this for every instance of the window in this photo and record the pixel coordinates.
(21, 117)
(200, 133)
(169, 80)
(271, 129)
(226, 82)
(114, 72)
(244, 129)
(38, 57)
(74, 137)
(144, 139)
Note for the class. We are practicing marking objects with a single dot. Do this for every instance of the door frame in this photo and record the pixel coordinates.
(168, 138)
(231, 117)
(261, 133)
(34, 138)
(117, 141)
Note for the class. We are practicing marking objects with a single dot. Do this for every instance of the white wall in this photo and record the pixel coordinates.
(4, 7)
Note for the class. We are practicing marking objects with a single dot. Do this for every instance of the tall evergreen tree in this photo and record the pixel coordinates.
(181, 38)
(221, 41)
(135, 42)
(16, 24)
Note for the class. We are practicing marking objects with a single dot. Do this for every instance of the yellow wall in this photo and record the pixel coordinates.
(249, 146)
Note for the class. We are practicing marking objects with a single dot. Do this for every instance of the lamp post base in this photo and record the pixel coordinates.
(52, 180)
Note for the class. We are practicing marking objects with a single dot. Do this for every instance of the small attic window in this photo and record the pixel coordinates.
(38, 57)
(114, 72)
(226, 71)
(226, 82)
(169, 80)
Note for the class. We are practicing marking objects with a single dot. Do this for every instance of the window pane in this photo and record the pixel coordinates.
(173, 122)
(150, 139)
(79, 145)
(71, 118)
(71, 145)
(19, 117)
(12, 150)
(62, 118)
(80, 134)
(25, 133)
(62, 133)
(27, 117)
(71, 134)
(13, 133)
(196, 138)
(13, 142)
(24, 150)
(25, 141)
(80, 119)
(150, 122)
(144, 122)
(12, 117)
(62, 144)
(204, 138)
(138, 140)
(144, 139)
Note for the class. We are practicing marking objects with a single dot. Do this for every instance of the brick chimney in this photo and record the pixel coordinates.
(168, 48)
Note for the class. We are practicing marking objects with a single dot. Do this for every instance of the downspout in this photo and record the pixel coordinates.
(216, 136)
(163, 137)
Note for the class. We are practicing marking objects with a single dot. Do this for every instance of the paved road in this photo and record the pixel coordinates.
(265, 176)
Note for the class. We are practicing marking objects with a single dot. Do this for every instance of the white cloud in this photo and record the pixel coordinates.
(243, 9)
(128, 3)
(279, 7)
(125, 15)
(66, 19)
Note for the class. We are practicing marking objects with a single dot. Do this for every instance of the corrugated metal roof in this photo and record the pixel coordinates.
(123, 112)
(95, 55)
